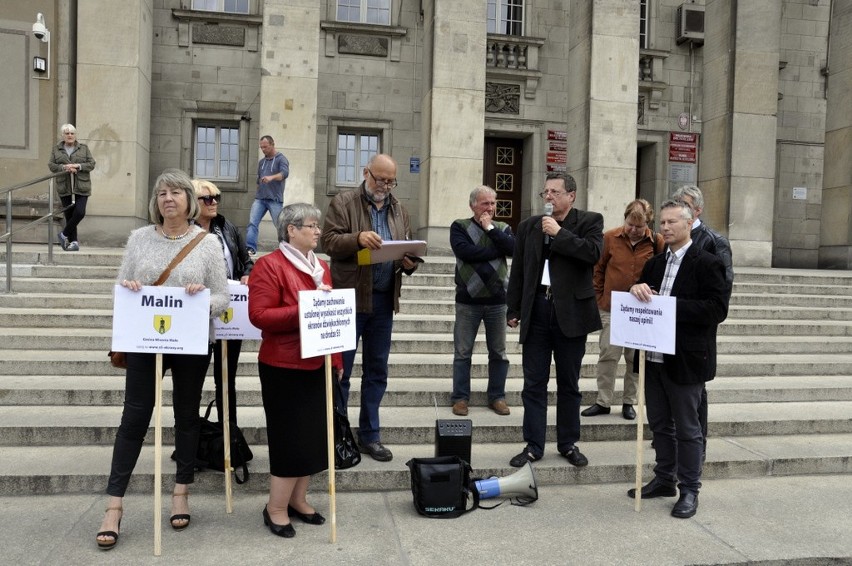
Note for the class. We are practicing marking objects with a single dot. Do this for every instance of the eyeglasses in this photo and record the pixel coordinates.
(554, 194)
(387, 183)
(210, 199)
(313, 226)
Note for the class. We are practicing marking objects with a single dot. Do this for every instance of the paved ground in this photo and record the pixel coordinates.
(802, 520)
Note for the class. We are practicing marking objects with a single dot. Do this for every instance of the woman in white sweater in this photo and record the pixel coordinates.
(149, 251)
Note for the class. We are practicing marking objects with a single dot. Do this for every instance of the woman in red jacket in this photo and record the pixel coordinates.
(293, 389)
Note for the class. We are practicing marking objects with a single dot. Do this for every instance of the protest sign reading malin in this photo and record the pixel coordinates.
(163, 320)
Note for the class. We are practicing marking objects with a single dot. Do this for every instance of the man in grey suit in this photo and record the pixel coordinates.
(696, 278)
(552, 297)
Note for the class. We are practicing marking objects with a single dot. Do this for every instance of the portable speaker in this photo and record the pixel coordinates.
(453, 438)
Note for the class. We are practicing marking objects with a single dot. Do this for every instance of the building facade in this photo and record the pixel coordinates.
(632, 97)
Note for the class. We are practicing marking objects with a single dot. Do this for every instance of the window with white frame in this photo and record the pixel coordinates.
(505, 17)
(643, 24)
(227, 6)
(216, 154)
(364, 11)
(354, 150)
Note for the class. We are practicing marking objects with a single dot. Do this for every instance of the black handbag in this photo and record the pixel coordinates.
(211, 447)
(346, 453)
(441, 486)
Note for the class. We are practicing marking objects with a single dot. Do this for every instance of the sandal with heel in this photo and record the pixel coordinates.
(177, 519)
(108, 544)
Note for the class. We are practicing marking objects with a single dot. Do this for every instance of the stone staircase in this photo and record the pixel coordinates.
(780, 405)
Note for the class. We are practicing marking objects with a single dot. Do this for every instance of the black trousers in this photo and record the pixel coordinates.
(74, 215)
(234, 347)
(188, 377)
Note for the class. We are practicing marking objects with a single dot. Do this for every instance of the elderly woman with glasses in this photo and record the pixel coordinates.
(148, 254)
(292, 388)
(238, 264)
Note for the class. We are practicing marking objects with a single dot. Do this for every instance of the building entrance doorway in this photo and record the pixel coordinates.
(503, 171)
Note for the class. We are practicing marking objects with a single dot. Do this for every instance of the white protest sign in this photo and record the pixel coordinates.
(643, 326)
(234, 323)
(163, 320)
(326, 321)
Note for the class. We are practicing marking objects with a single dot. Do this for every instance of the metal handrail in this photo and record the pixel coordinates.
(9, 232)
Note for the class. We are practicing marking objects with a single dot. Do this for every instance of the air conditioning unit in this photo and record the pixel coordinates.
(690, 24)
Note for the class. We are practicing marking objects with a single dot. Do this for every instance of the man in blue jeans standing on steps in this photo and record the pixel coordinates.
(272, 173)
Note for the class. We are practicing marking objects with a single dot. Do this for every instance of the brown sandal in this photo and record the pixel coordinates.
(108, 544)
(177, 520)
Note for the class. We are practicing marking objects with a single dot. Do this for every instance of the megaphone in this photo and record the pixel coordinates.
(521, 484)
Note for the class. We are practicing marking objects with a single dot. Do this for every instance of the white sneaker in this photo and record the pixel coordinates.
(63, 241)
(73, 247)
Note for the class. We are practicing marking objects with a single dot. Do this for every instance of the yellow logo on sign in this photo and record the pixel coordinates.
(227, 316)
(162, 323)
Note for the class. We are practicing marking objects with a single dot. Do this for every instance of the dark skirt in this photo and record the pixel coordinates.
(294, 403)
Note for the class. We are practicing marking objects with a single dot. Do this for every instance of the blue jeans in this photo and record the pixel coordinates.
(466, 327)
(544, 339)
(375, 349)
(673, 418)
(258, 209)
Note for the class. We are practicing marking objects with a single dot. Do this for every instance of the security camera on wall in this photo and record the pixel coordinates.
(40, 30)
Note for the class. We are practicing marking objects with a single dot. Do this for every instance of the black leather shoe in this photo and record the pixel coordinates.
(286, 531)
(686, 506)
(654, 488)
(377, 451)
(596, 410)
(575, 457)
(627, 412)
(524, 457)
(311, 519)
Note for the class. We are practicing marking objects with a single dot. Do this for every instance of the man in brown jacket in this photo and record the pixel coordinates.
(625, 251)
(358, 219)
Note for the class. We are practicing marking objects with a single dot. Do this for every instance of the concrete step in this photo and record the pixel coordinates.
(106, 390)
(21, 338)
(417, 323)
(37, 362)
(85, 469)
(81, 425)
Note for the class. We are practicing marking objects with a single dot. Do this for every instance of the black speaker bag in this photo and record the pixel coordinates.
(441, 486)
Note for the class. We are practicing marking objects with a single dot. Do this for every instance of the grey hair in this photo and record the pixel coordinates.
(295, 214)
(691, 191)
(686, 211)
(567, 181)
(177, 179)
(474, 194)
(67, 129)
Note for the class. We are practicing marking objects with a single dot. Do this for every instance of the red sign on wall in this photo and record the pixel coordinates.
(683, 148)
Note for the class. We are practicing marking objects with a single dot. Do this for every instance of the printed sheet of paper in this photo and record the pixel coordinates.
(162, 320)
(326, 321)
(643, 326)
(234, 323)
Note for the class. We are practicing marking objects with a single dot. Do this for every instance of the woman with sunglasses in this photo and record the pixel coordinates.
(238, 265)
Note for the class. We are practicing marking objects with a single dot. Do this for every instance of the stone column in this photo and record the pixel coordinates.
(737, 154)
(453, 117)
(603, 88)
(288, 95)
(835, 249)
(114, 112)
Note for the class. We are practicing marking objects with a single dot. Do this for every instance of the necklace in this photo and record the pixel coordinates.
(173, 238)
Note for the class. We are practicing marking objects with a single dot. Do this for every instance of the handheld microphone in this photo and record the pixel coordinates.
(548, 211)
